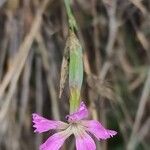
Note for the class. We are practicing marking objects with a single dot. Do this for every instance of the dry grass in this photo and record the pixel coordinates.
(115, 36)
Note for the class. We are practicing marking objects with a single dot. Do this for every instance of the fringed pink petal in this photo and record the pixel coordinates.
(85, 142)
(80, 114)
(98, 130)
(42, 124)
(55, 141)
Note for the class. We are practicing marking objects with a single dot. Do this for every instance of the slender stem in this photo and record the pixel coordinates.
(71, 18)
(75, 64)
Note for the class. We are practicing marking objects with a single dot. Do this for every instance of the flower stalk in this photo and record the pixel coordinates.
(75, 61)
(71, 18)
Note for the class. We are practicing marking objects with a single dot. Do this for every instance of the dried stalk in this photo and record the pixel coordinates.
(19, 61)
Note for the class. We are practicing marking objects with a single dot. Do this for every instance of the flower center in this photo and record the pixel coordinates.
(76, 128)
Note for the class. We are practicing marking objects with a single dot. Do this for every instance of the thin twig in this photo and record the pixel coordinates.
(113, 28)
(39, 94)
(47, 67)
(25, 89)
(140, 111)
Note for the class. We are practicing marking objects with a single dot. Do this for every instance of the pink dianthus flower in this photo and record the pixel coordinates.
(77, 125)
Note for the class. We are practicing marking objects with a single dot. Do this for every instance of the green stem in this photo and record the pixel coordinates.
(71, 18)
(74, 100)
(75, 64)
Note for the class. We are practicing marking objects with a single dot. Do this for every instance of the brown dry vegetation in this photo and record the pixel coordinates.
(115, 36)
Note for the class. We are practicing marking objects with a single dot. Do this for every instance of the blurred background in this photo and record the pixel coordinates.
(115, 36)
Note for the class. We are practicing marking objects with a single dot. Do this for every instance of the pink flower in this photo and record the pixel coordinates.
(77, 125)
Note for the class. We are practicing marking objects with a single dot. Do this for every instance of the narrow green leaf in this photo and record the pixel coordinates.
(76, 63)
(75, 71)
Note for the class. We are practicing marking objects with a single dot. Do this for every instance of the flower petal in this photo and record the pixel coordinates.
(98, 130)
(42, 124)
(55, 141)
(85, 142)
(80, 114)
